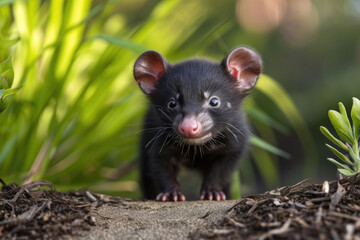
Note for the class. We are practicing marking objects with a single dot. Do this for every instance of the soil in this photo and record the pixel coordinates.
(302, 211)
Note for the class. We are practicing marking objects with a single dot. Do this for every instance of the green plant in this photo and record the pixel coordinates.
(349, 135)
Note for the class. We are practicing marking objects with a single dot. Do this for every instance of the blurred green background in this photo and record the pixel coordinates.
(71, 111)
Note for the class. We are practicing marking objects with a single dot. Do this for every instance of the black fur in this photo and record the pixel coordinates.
(163, 150)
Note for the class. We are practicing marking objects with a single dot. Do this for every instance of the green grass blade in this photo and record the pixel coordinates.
(266, 166)
(236, 185)
(122, 43)
(268, 147)
(7, 149)
(89, 15)
(262, 117)
(278, 95)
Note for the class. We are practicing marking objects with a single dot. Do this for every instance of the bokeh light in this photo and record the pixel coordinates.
(260, 16)
(295, 19)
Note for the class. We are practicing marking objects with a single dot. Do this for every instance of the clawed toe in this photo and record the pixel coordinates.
(213, 195)
(170, 196)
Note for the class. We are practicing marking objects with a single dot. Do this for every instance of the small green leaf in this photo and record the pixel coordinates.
(336, 141)
(355, 116)
(346, 172)
(6, 73)
(4, 103)
(340, 165)
(345, 117)
(268, 147)
(340, 126)
(3, 82)
(122, 42)
(11, 91)
(7, 43)
(340, 155)
(4, 97)
(354, 156)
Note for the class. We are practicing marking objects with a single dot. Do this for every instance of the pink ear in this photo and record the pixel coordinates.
(148, 69)
(244, 65)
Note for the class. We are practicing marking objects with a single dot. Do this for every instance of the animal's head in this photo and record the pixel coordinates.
(194, 96)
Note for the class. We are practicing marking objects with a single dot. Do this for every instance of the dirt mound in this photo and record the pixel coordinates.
(27, 212)
(302, 211)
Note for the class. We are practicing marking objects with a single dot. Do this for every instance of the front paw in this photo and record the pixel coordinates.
(213, 195)
(170, 196)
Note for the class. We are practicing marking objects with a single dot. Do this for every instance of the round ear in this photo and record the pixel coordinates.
(148, 69)
(244, 65)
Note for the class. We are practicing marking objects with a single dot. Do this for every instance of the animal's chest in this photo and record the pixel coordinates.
(197, 157)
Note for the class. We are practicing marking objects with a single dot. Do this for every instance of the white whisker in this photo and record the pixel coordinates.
(167, 116)
(233, 134)
(155, 137)
(236, 129)
(164, 142)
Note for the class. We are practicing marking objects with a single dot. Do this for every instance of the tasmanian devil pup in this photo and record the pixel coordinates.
(194, 120)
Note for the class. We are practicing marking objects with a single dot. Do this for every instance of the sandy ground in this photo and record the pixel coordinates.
(155, 220)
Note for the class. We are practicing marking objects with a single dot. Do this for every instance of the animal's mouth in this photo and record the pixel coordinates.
(197, 140)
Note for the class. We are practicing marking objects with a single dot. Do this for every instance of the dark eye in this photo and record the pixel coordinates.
(214, 102)
(172, 104)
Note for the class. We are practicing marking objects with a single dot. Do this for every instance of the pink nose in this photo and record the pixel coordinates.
(190, 127)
